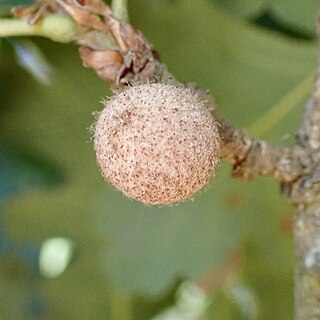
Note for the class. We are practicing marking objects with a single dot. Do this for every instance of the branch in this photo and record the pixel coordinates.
(57, 28)
(308, 135)
(250, 157)
(305, 195)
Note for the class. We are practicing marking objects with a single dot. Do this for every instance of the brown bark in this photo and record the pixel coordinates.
(307, 265)
(305, 195)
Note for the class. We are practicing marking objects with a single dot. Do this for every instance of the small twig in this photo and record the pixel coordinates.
(308, 135)
(59, 28)
(250, 157)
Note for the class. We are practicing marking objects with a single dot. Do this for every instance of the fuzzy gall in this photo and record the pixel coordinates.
(157, 143)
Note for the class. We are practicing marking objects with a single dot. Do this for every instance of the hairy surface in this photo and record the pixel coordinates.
(157, 143)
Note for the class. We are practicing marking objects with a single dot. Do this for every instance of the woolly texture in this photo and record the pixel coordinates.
(157, 143)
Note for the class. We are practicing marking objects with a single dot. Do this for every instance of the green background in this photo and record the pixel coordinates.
(258, 58)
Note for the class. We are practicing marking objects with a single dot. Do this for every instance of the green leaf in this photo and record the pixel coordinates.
(23, 170)
(299, 15)
(17, 292)
(243, 8)
(15, 3)
(53, 118)
(141, 255)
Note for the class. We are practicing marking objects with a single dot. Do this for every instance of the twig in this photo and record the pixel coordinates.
(250, 157)
(308, 135)
(55, 27)
(305, 195)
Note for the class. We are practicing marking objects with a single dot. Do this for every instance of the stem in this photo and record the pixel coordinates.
(56, 27)
(309, 133)
(305, 195)
(120, 9)
(307, 266)
(250, 157)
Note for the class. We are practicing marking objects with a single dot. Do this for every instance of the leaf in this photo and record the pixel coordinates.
(15, 3)
(53, 116)
(202, 232)
(17, 293)
(243, 8)
(23, 170)
(299, 15)
(20, 171)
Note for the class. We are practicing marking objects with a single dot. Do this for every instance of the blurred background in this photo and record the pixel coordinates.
(73, 248)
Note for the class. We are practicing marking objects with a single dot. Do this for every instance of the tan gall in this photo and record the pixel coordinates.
(157, 143)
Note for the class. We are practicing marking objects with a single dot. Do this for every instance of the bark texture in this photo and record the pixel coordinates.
(305, 196)
(307, 267)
